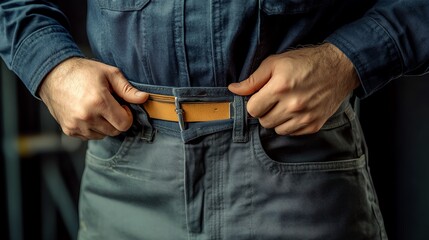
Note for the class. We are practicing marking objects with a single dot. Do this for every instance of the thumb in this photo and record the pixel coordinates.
(126, 91)
(253, 83)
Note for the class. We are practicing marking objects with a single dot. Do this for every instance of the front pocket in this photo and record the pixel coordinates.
(337, 146)
(122, 5)
(275, 7)
(105, 152)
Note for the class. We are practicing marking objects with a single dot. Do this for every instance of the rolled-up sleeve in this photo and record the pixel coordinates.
(390, 40)
(34, 39)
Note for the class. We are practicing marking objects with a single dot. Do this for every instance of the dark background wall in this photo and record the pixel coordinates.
(395, 121)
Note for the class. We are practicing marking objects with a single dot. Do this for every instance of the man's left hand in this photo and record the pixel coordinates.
(297, 91)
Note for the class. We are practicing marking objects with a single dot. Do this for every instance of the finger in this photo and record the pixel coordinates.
(125, 90)
(81, 137)
(300, 132)
(288, 127)
(255, 81)
(88, 135)
(310, 129)
(275, 117)
(295, 128)
(258, 107)
(263, 101)
(93, 135)
(105, 128)
(120, 117)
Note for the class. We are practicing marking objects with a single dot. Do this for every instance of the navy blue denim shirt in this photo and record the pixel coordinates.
(213, 43)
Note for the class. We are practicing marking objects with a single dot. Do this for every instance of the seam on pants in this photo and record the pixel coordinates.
(250, 186)
(185, 195)
(218, 199)
(357, 138)
(179, 36)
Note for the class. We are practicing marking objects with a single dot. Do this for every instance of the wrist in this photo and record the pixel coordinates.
(64, 68)
(342, 65)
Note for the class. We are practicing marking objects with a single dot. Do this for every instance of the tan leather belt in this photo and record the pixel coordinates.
(164, 107)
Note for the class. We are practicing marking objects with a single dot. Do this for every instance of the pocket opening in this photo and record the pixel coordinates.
(105, 152)
(332, 148)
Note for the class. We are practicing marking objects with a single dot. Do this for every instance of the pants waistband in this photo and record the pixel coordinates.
(238, 121)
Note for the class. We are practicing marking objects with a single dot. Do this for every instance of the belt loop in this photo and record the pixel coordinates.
(147, 132)
(240, 133)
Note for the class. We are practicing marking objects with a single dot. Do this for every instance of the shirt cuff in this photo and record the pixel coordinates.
(40, 52)
(372, 51)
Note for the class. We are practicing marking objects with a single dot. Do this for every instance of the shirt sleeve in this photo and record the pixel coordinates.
(389, 41)
(34, 39)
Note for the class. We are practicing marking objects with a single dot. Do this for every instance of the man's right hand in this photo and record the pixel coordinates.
(79, 93)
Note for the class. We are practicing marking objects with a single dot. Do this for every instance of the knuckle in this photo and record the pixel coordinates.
(251, 109)
(314, 128)
(127, 88)
(296, 105)
(115, 71)
(84, 116)
(268, 122)
(281, 131)
(307, 119)
(95, 100)
(93, 106)
(69, 132)
(252, 113)
(114, 133)
(124, 126)
(70, 126)
(288, 85)
(265, 123)
(283, 88)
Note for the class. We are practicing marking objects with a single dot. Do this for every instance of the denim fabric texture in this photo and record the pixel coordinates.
(212, 43)
(316, 186)
(228, 179)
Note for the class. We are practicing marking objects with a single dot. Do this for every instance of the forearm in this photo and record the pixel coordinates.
(35, 39)
(388, 42)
